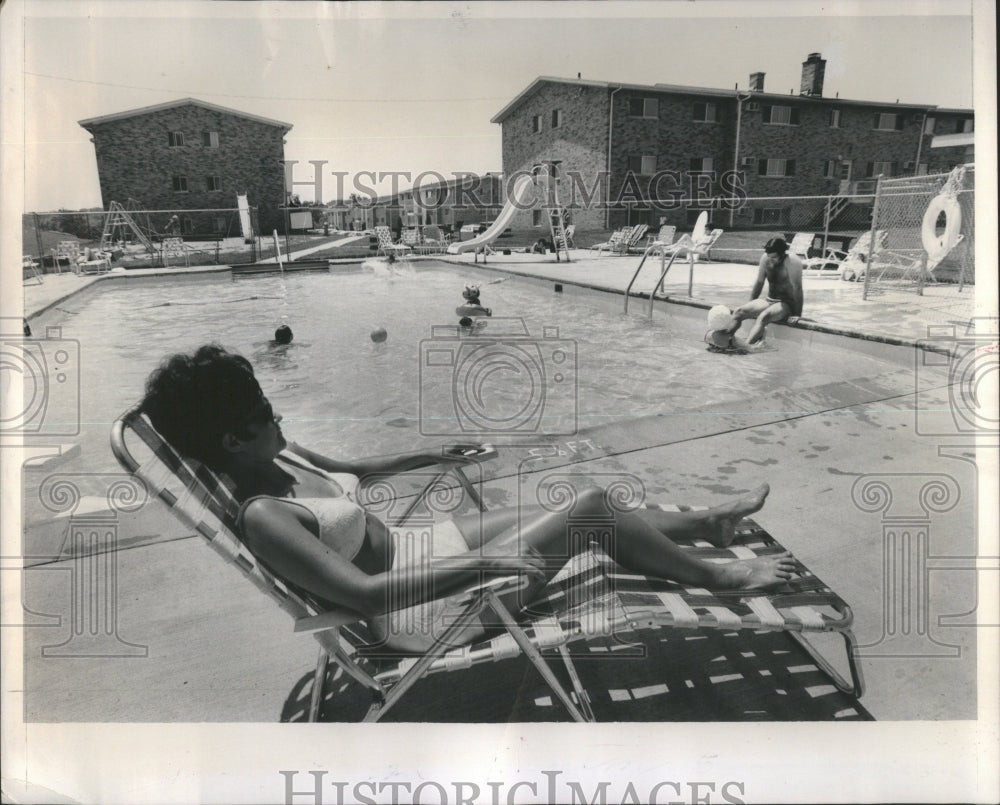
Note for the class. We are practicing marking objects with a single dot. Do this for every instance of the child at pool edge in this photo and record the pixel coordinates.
(306, 528)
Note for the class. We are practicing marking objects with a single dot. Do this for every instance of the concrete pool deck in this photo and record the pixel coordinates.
(197, 643)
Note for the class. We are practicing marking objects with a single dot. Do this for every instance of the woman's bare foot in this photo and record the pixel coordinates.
(755, 574)
(721, 520)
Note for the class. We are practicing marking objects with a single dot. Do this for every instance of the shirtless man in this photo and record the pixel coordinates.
(783, 272)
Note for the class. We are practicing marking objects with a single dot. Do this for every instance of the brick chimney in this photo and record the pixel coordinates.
(756, 82)
(813, 70)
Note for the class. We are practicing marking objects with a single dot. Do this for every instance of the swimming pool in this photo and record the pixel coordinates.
(555, 362)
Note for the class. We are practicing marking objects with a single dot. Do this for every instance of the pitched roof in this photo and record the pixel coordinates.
(96, 121)
(729, 94)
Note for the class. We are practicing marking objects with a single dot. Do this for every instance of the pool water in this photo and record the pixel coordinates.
(556, 361)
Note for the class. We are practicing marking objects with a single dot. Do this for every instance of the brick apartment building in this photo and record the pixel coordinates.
(192, 155)
(685, 139)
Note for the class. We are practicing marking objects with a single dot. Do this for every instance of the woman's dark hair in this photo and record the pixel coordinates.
(195, 400)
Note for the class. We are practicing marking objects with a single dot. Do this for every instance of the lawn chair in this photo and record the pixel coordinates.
(173, 247)
(914, 266)
(850, 264)
(68, 251)
(664, 237)
(93, 261)
(200, 499)
(29, 269)
(570, 231)
(801, 243)
(634, 237)
(434, 239)
(613, 243)
(385, 244)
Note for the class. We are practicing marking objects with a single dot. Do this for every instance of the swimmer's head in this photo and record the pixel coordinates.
(720, 317)
(379, 334)
(471, 292)
(719, 339)
(776, 246)
(283, 335)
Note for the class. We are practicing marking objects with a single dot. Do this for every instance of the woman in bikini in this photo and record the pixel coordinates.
(301, 519)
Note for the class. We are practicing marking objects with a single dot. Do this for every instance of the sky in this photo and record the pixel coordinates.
(412, 87)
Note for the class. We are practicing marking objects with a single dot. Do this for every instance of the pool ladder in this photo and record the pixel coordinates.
(664, 268)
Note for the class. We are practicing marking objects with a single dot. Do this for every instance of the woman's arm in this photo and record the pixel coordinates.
(380, 465)
(275, 535)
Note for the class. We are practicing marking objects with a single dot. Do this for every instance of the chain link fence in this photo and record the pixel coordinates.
(923, 235)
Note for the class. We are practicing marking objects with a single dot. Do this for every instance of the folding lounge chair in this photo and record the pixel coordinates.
(801, 243)
(613, 243)
(570, 232)
(200, 499)
(385, 244)
(635, 237)
(848, 264)
(664, 237)
(914, 265)
(623, 602)
(29, 269)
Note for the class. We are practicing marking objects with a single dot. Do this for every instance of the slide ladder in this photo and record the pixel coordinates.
(557, 226)
(116, 225)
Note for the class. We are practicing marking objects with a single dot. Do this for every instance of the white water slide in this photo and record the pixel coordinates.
(519, 196)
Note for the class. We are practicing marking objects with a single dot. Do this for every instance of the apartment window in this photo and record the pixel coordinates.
(881, 169)
(706, 113)
(701, 165)
(829, 169)
(536, 124)
(776, 168)
(643, 107)
(210, 139)
(929, 125)
(213, 183)
(834, 118)
(913, 169)
(964, 127)
(175, 138)
(180, 184)
(769, 215)
(888, 121)
(780, 115)
(643, 166)
(536, 217)
(556, 118)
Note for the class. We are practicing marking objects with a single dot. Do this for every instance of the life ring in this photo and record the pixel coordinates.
(938, 246)
(473, 310)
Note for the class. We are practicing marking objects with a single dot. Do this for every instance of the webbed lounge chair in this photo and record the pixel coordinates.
(613, 243)
(385, 244)
(801, 243)
(634, 237)
(850, 264)
(590, 598)
(29, 269)
(201, 500)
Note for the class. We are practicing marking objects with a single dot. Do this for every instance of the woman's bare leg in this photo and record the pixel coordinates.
(635, 542)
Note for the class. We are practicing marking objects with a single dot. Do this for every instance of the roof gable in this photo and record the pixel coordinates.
(96, 121)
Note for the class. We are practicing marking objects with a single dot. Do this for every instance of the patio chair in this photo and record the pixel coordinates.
(68, 251)
(570, 233)
(29, 269)
(914, 265)
(635, 237)
(434, 239)
(695, 247)
(848, 264)
(93, 261)
(201, 500)
(663, 238)
(173, 247)
(801, 243)
(613, 243)
(385, 244)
